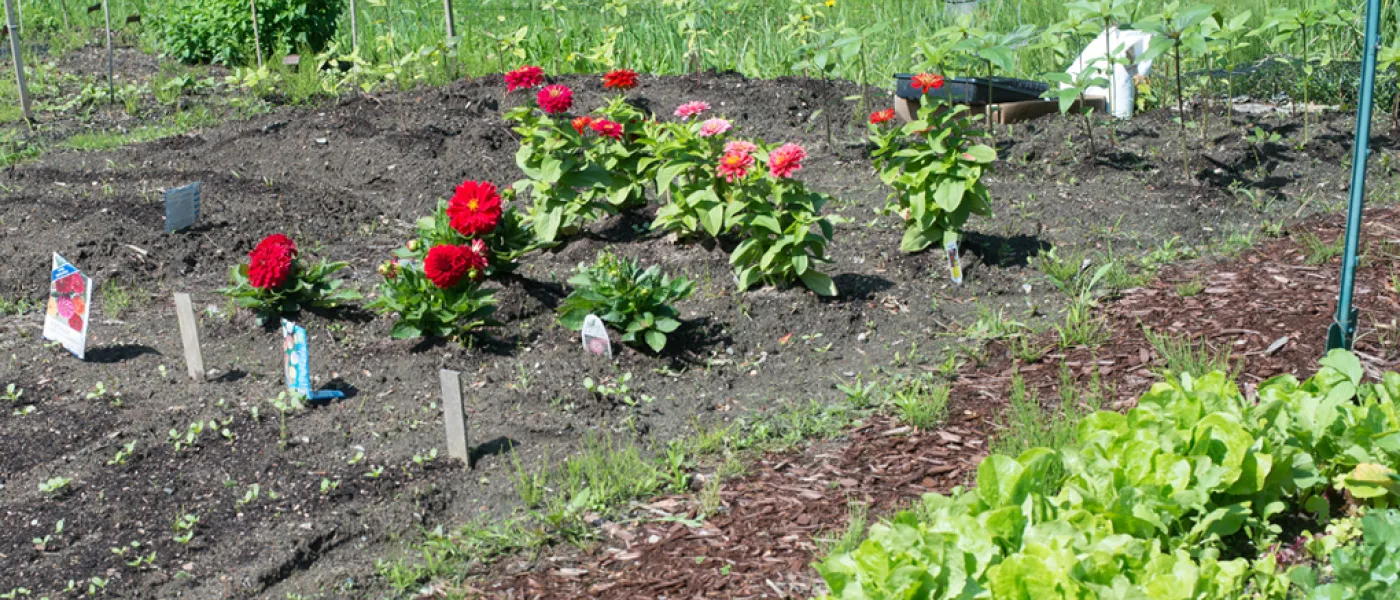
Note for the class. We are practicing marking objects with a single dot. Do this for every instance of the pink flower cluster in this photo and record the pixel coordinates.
(691, 109)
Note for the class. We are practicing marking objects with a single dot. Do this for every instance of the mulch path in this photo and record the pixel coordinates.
(1268, 306)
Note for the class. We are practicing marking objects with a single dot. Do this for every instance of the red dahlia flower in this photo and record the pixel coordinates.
(447, 266)
(621, 79)
(734, 165)
(608, 129)
(882, 116)
(555, 99)
(270, 263)
(926, 81)
(581, 124)
(524, 78)
(786, 160)
(475, 209)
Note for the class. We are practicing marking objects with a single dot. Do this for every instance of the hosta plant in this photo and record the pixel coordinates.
(439, 296)
(935, 165)
(626, 297)
(476, 211)
(276, 281)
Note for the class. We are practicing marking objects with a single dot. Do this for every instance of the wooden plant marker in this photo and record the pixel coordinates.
(452, 413)
(12, 25)
(189, 335)
(111, 85)
(257, 45)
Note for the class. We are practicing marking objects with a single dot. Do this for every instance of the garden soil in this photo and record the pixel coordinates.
(295, 505)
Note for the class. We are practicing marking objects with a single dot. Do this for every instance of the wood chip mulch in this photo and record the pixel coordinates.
(1267, 306)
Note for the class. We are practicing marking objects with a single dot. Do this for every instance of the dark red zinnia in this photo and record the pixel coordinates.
(447, 266)
(607, 129)
(882, 116)
(621, 79)
(524, 78)
(555, 99)
(475, 208)
(270, 263)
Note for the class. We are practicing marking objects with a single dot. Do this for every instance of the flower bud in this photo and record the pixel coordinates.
(412, 245)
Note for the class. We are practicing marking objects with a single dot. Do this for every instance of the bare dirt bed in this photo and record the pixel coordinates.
(385, 160)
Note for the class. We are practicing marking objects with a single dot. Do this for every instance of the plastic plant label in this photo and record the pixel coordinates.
(70, 299)
(181, 207)
(595, 337)
(954, 262)
(297, 360)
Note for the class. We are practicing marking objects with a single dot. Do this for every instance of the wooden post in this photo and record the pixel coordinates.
(452, 414)
(19, 60)
(447, 14)
(257, 44)
(189, 336)
(111, 86)
(354, 28)
(64, 5)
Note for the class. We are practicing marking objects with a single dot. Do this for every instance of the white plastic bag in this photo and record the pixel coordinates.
(1127, 45)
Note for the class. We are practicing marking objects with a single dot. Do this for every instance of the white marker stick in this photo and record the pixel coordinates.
(452, 414)
(189, 335)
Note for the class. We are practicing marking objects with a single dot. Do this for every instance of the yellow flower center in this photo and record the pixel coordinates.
(472, 204)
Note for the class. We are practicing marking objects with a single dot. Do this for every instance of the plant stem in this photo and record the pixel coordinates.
(1180, 110)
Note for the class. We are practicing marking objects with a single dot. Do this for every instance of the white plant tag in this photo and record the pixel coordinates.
(954, 262)
(70, 299)
(595, 337)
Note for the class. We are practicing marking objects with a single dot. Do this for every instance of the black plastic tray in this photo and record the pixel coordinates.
(974, 90)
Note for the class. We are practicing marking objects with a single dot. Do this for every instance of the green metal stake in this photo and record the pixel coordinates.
(1343, 329)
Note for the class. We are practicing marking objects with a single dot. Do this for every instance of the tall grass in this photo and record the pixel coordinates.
(653, 36)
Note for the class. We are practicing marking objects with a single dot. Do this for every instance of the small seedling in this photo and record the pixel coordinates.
(254, 492)
(423, 460)
(359, 456)
(184, 528)
(56, 487)
(374, 472)
(285, 403)
(100, 392)
(123, 454)
(138, 560)
(42, 544)
(618, 392)
(328, 486)
(12, 394)
(191, 435)
(859, 394)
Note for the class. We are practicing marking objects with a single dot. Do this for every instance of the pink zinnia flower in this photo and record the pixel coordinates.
(786, 160)
(734, 165)
(555, 99)
(713, 127)
(690, 109)
(524, 78)
(740, 147)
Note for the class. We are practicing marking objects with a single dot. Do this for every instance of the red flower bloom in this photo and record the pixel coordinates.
(926, 81)
(581, 124)
(555, 99)
(608, 129)
(475, 209)
(734, 165)
(786, 160)
(882, 116)
(270, 263)
(76, 322)
(72, 284)
(621, 79)
(524, 78)
(447, 266)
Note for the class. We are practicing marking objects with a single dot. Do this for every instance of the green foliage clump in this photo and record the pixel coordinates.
(626, 297)
(1182, 497)
(221, 31)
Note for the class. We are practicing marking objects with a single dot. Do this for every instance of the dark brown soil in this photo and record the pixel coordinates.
(386, 161)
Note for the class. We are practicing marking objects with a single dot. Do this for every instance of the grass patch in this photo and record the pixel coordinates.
(1184, 355)
(1187, 289)
(1028, 423)
(920, 402)
(848, 539)
(1318, 252)
(18, 306)
(1081, 328)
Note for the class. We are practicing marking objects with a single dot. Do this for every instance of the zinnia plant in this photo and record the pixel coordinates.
(440, 296)
(476, 213)
(555, 99)
(524, 78)
(621, 79)
(935, 166)
(276, 282)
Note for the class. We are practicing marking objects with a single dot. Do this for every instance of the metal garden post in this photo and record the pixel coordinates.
(1343, 329)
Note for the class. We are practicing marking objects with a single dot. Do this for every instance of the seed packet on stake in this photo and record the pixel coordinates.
(181, 207)
(954, 261)
(297, 359)
(595, 337)
(70, 296)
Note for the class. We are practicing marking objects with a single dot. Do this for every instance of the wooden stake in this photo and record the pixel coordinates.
(447, 14)
(19, 60)
(189, 335)
(111, 86)
(64, 4)
(354, 28)
(257, 44)
(452, 414)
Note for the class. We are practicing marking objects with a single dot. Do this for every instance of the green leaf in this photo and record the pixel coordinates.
(981, 154)
(404, 330)
(656, 340)
(818, 282)
(1346, 363)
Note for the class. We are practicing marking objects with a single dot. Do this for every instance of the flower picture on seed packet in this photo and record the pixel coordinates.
(70, 294)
